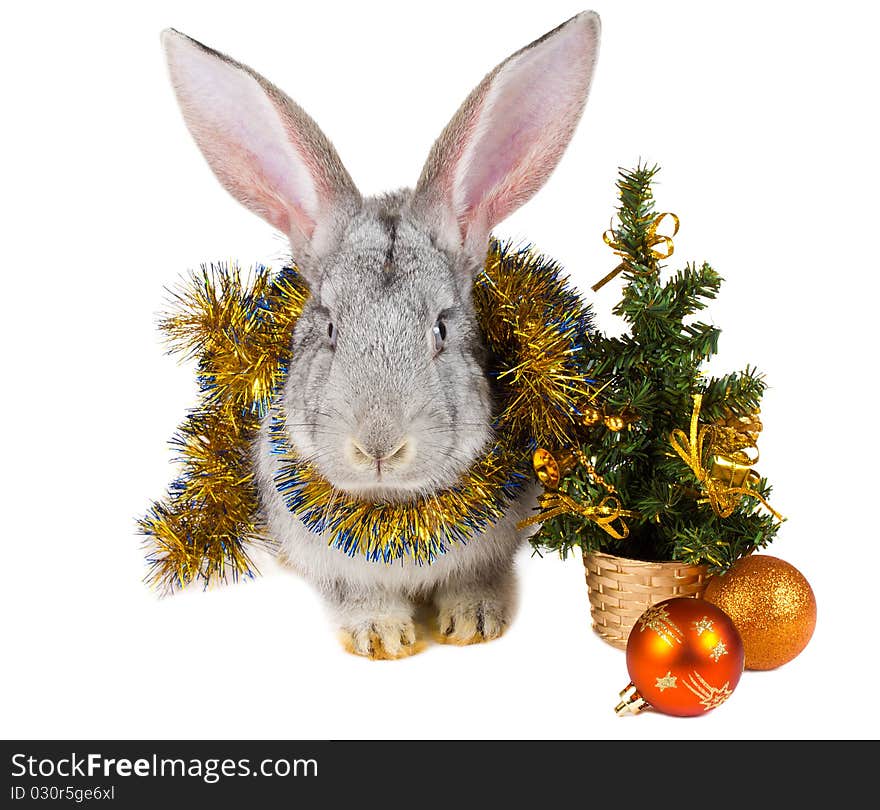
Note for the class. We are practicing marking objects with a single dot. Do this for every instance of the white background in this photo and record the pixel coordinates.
(762, 117)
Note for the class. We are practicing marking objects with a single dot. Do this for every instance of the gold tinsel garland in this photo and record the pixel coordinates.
(240, 330)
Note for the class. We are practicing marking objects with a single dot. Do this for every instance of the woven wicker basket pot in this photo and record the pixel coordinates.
(621, 590)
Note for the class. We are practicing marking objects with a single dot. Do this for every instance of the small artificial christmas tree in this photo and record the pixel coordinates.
(663, 470)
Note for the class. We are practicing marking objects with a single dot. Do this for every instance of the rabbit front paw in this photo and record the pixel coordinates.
(381, 639)
(470, 620)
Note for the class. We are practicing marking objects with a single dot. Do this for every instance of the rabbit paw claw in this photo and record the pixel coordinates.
(470, 622)
(381, 639)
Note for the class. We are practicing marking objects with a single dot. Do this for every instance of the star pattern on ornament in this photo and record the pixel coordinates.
(711, 697)
(668, 681)
(656, 618)
(717, 651)
(704, 625)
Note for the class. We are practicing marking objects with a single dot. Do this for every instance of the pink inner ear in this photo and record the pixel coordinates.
(245, 138)
(525, 122)
(243, 176)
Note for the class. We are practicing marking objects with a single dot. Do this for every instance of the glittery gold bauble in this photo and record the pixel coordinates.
(772, 606)
(591, 415)
(615, 422)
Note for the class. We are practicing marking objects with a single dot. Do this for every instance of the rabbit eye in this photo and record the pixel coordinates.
(331, 334)
(439, 332)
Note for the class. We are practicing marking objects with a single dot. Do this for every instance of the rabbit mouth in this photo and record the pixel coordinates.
(393, 473)
(378, 469)
(377, 459)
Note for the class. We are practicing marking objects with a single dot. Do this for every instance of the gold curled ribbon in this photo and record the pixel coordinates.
(550, 469)
(654, 241)
(722, 497)
(602, 514)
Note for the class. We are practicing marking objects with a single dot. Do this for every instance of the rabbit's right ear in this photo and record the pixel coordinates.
(508, 136)
(265, 150)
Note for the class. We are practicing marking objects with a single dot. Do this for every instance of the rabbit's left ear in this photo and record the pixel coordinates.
(508, 136)
(265, 150)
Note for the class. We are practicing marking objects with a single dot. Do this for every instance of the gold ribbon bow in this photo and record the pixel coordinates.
(655, 240)
(721, 495)
(602, 514)
(550, 470)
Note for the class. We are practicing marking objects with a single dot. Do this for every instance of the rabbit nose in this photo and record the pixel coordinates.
(380, 455)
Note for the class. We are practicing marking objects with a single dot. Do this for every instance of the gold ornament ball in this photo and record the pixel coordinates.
(591, 415)
(615, 422)
(771, 604)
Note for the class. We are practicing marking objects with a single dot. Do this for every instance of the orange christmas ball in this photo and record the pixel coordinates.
(684, 657)
(771, 604)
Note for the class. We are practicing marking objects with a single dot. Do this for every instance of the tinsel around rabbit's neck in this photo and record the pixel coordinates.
(239, 331)
(385, 531)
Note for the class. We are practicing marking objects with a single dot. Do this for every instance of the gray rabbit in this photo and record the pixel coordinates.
(387, 393)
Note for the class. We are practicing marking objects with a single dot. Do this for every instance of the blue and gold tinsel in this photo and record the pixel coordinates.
(238, 328)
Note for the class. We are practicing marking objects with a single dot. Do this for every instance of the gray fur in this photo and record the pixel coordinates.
(379, 410)
(383, 288)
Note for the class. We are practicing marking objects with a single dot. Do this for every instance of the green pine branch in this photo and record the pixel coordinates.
(739, 393)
